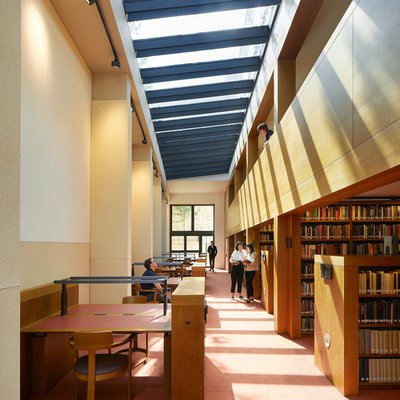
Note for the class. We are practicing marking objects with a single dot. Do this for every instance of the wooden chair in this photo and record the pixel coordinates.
(138, 300)
(95, 367)
(137, 290)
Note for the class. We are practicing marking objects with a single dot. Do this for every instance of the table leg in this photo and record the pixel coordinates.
(167, 363)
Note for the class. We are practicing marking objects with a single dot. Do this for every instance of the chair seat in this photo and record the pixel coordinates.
(105, 363)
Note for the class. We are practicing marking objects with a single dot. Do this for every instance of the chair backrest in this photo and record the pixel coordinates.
(92, 340)
(134, 299)
(136, 288)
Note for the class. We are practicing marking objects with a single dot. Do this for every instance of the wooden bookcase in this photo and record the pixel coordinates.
(267, 237)
(267, 278)
(352, 227)
(339, 323)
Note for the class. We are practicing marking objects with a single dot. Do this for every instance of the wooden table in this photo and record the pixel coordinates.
(119, 318)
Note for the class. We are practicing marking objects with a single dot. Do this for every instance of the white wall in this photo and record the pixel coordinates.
(55, 130)
(56, 93)
(204, 198)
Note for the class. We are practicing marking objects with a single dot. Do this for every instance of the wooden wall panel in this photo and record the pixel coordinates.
(376, 67)
(313, 154)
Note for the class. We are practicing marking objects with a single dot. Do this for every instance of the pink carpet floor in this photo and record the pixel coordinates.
(245, 360)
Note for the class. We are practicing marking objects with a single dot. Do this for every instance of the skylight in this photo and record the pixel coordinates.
(189, 24)
(198, 72)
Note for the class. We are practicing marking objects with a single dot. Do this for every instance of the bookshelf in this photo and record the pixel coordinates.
(267, 237)
(352, 227)
(357, 321)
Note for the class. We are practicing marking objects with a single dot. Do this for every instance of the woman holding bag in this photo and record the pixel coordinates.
(251, 266)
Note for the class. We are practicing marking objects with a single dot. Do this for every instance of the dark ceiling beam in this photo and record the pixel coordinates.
(201, 41)
(197, 172)
(152, 9)
(207, 164)
(198, 122)
(199, 108)
(200, 70)
(191, 153)
(200, 132)
(204, 146)
(188, 162)
(198, 141)
(209, 138)
(195, 92)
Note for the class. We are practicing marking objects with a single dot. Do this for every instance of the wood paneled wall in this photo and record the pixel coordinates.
(338, 134)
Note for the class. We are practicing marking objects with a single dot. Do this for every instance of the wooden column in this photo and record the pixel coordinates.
(267, 277)
(287, 275)
(188, 331)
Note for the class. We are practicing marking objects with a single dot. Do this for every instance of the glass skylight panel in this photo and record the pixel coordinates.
(191, 24)
(199, 115)
(200, 81)
(201, 56)
(200, 100)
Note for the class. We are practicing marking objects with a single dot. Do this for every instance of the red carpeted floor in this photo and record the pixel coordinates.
(245, 360)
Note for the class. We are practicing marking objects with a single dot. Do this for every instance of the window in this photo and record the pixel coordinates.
(192, 228)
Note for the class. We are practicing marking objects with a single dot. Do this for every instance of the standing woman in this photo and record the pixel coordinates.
(237, 258)
(251, 266)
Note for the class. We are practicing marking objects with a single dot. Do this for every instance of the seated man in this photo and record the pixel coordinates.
(150, 266)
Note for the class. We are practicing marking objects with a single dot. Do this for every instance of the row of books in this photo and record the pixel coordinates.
(307, 307)
(378, 341)
(307, 324)
(325, 231)
(379, 311)
(266, 237)
(375, 211)
(368, 248)
(309, 250)
(307, 269)
(307, 288)
(379, 282)
(375, 231)
(328, 212)
(377, 370)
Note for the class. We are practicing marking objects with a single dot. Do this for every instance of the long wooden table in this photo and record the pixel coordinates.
(119, 318)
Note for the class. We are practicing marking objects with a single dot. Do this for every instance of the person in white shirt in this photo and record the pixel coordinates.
(237, 272)
(251, 265)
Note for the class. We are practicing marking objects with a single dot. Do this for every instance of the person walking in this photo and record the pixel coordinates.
(212, 253)
(251, 265)
(237, 258)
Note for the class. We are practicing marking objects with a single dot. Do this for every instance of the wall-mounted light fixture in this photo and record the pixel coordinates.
(144, 140)
(115, 63)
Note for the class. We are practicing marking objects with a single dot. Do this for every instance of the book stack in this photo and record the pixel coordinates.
(379, 282)
(379, 370)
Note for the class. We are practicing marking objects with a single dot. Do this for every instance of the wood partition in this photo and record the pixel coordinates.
(267, 276)
(188, 331)
(336, 340)
(44, 359)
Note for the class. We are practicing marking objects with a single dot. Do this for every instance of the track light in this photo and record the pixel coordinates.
(91, 2)
(116, 63)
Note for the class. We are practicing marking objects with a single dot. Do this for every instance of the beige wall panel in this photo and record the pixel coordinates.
(311, 154)
(9, 345)
(142, 204)
(41, 263)
(324, 24)
(56, 93)
(376, 67)
(109, 293)
(110, 156)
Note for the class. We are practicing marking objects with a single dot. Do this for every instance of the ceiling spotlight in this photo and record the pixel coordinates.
(116, 63)
(91, 2)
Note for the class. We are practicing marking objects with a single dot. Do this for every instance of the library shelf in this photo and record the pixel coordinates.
(338, 309)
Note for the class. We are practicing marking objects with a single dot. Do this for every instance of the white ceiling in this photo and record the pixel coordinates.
(211, 184)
